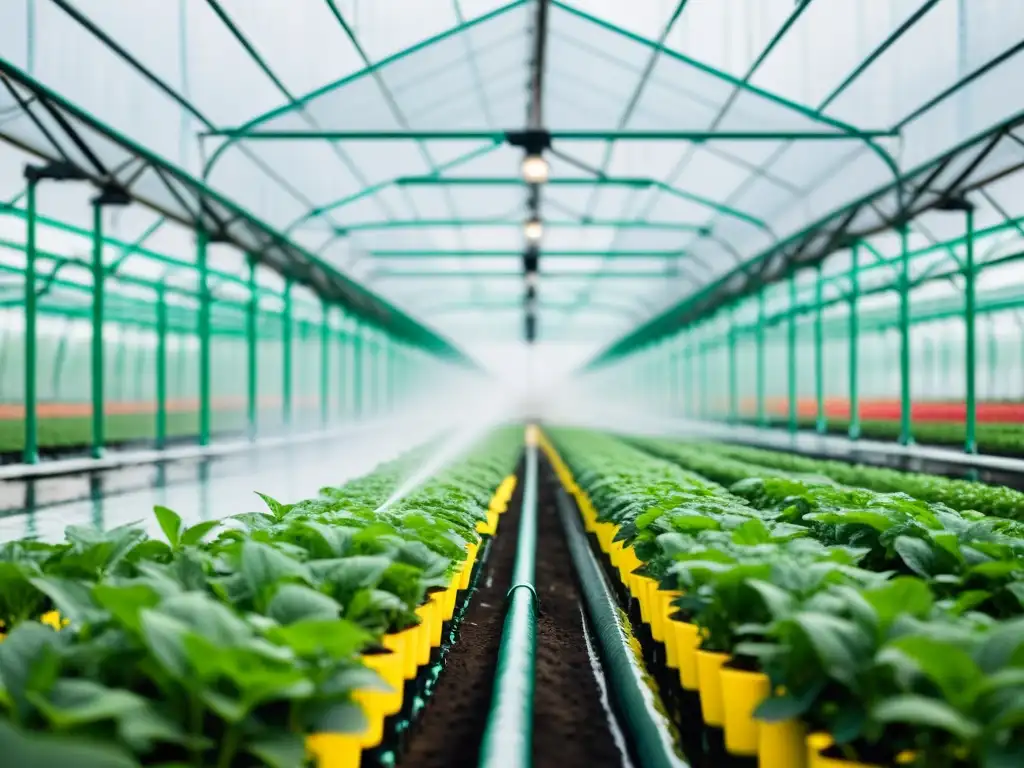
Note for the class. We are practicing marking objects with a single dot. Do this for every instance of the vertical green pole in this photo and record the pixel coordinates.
(252, 350)
(325, 362)
(821, 423)
(791, 357)
(383, 373)
(734, 392)
(344, 368)
(30, 451)
(854, 348)
(286, 352)
(906, 426)
(693, 368)
(392, 376)
(202, 241)
(702, 362)
(97, 330)
(373, 375)
(357, 369)
(759, 374)
(928, 367)
(970, 352)
(673, 376)
(161, 366)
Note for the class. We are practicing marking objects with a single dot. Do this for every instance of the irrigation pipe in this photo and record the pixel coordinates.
(508, 736)
(649, 732)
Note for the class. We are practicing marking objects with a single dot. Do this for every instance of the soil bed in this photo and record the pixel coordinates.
(571, 726)
(449, 731)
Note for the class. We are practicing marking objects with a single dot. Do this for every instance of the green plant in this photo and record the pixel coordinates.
(835, 591)
(224, 650)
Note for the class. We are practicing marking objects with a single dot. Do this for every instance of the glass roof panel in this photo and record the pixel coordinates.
(715, 128)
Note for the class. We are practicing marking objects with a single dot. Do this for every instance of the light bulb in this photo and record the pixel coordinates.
(535, 169)
(533, 230)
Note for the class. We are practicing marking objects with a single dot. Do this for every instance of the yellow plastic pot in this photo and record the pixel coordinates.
(741, 693)
(818, 743)
(712, 709)
(451, 595)
(646, 589)
(687, 640)
(377, 705)
(388, 665)
(655, 610)
(628, 563)
(428, 617)
(438, 600)
(781, 744)
(671, 639)
(467, 566)
(335, 750)
(404, 643)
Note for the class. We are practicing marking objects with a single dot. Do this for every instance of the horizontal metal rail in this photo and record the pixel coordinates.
(508, 736)
(121, 459)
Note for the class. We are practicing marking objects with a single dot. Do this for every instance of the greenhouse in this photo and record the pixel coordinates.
(543, 382)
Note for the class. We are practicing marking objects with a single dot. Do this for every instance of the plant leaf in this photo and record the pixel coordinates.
(195, 534)
(295, 602)
(51, 751)
(74, 702)
(924, 712)
(170, 524)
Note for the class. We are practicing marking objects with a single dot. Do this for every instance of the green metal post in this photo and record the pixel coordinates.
(673, 379)
(791, 357)
(202, 241)
(97, 330)
(286, 352)
(733, 373)
(383, 374)
(906, 426)
(970, 351)
(373, 374)
(692, 366)
(993, 362)
(357, 370)
(344, 369)
(821, 423)
(759, 374)
(392, 376)
(161, 367)
(854, 349)
(703, 352)
(252, 350)
(325, 361)
(30, 451)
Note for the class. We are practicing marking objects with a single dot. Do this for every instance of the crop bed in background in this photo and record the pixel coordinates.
(259, 637)
(995, 438)
(814, 617)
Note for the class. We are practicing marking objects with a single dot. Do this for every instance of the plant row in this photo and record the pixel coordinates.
(265, 637)
(1003, 439)
(817, 622)
(962, 495)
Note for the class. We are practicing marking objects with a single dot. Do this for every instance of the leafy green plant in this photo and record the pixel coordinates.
(228, 643)
(851, 600)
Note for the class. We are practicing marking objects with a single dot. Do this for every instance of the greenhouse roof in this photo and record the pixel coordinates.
(697, 148)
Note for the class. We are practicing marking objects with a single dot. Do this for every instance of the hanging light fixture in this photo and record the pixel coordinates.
(533, 230)
(535, 169)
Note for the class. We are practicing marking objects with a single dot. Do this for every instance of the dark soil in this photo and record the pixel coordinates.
(448, 733)
(570, 725)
